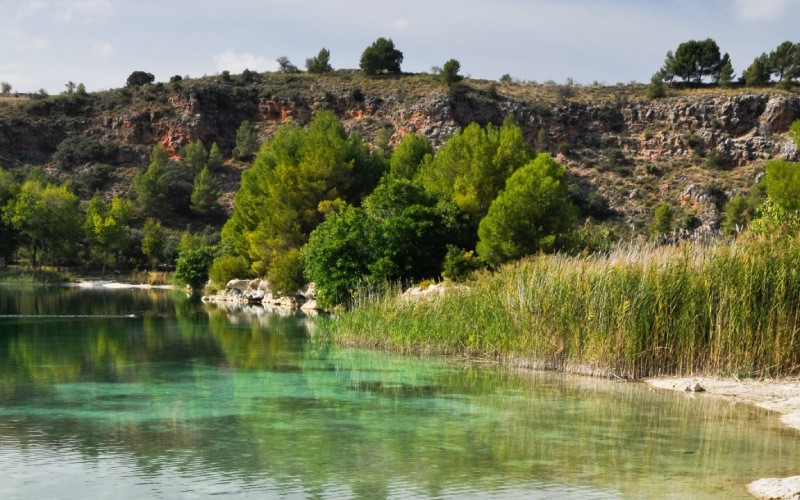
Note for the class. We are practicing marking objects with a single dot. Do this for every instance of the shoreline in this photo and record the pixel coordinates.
(115, 285)
(780, 395)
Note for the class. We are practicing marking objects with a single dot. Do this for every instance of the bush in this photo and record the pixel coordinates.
(192, 267)
(78, 149)
(285, 272)
(459, 264)
(228, 267)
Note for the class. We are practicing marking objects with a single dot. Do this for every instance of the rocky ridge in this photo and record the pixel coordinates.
(694, 150)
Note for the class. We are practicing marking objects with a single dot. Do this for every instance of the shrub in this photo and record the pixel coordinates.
(192, 267)
(228, 267)
(459, 264)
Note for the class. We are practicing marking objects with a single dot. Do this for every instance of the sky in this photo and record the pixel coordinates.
(46, 43)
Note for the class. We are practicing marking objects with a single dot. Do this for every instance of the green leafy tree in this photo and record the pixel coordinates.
(294, 177)
(693, 61)
(195, 156)
(49, 216)
(215, 159)
(139, 78)
(321, 63)
(205, 196)
(153, 240)
(408, 156)
(782, 182)
(5, 88)
(400, 233)
(449, 74)
(662, 220)
(757, 74)
(246, 141)
(532, 214)
(381, 57)
(473, 165)
(286, 272)
(151, 186)
(191, 268)
(9, 236)
(106, 226)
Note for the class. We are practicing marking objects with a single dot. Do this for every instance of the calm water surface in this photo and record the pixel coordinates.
(183, 400)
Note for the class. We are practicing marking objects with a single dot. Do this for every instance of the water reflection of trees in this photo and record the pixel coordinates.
(242, 394)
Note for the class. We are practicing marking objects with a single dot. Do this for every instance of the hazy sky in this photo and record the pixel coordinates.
(45, 43)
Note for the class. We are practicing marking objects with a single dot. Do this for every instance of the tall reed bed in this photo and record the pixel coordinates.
(723, 309)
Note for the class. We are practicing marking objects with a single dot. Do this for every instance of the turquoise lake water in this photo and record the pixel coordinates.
(147, 394)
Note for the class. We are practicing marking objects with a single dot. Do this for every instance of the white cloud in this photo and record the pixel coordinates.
(83, 10)
(235, 62)
(762, 9)
(102, 50)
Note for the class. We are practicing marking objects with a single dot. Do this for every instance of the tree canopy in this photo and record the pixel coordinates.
(294, 177)
(320, 63)
(694, 60)
(532, 214)
(381, 57)
(401, 232)
(473, 165)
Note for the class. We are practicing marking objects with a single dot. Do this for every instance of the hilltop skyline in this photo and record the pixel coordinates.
(46, 43)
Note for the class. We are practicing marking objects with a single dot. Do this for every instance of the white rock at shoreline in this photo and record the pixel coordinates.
(773, 487)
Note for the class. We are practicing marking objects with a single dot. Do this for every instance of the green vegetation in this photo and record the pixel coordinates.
(381, 57)
(320, 63)
(473, 165)
(400, 235)
(662, 221)
(730, 309)
(191, 268)
(450, 72)
(294, 179)
(531, 215)
(138, 78)
(693, 61)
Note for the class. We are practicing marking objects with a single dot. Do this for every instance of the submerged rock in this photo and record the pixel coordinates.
(696, 387)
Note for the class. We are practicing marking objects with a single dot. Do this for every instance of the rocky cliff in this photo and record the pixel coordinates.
(694, 149)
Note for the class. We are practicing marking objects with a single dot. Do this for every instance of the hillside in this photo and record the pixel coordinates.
(694, 148)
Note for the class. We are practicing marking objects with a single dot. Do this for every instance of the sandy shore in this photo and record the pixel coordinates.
(780, 395)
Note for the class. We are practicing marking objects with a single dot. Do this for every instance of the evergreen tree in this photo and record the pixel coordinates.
(215, 159)
(450, 72)
(246, 141)
(195, 156)
(408, 156)
(783, 59)
(757, 74)
(726, 74)
(662, 221)
(320, 63)
(151, 186)
(205, 196)
(299, 172)
(532, 214)
(473, 165)
(381, 57)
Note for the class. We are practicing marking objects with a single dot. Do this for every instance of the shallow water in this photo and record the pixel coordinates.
(143, 393)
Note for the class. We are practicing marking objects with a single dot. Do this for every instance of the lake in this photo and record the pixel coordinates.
(146, 393)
